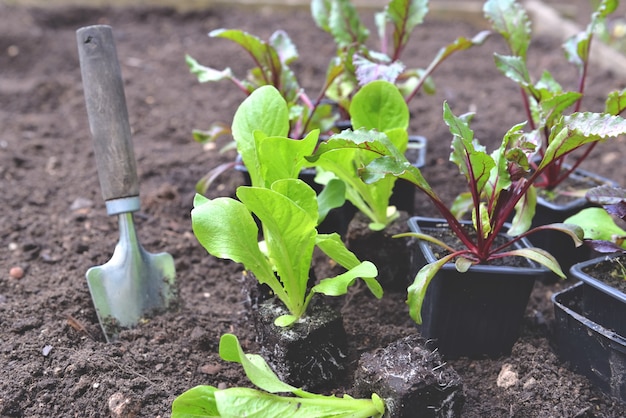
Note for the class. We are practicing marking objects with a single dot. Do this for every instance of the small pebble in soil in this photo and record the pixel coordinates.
(122, 406)
(16, 272)
(507, 377)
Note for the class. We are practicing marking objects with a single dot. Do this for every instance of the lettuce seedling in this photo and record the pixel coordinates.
(499, 184)
(209, 401)
(288, 210)
(362, 65)
(378, 109)
(545, 101)
(602, 233)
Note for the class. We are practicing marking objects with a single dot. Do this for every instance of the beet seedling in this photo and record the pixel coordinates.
(499, 184)
(545, 101)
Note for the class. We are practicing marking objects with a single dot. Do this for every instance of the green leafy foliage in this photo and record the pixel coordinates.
(378, 110)
(287, 208)
(545, 101)
(361, 64)
(499, 184)
(601, 230)
(208, 401)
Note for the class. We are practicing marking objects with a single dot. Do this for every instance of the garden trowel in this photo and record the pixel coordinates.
(133, 284)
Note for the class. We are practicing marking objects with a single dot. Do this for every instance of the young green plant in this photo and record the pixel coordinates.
(361, 65)
(288, 210)
(499, 184)
(602, 233)
(377, 109)
(209, 401)
(545, 101)
(354, 65)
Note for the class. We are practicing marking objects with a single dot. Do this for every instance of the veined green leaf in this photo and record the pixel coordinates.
(404, 16)
(206, 74)
(197, 402)
(332, 196)
(512, 22)
(225, 228)
(265, 111)
(284, 46)
(460, 44)
(579, 129)
(578, 46)
(541, 256)
(417, 290)
(261, 52)
(380, 106)
(475, 165)
(524, 213)
(597, 224)
(289, 216)
(341, 20)
(515, 69)
(615, 102)
(255, 367)
(282, 158)
(338, 285)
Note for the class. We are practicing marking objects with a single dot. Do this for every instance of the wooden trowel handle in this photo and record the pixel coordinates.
(107, 112)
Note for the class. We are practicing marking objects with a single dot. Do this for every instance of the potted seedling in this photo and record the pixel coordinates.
(354, 66)
(545, 101)
(376, 109)
(500, 184)
(303, 339)
(590, 328)
(267, 401)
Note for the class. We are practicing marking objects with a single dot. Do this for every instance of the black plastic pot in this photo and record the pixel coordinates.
(604, 304)
(589, 347)
(474, 314)
(337, 220)
(556, 243)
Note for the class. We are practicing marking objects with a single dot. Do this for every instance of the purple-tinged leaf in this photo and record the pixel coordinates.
(368, 71)
(606, 195)
(618, 209)
(604, 247)
(474, 164)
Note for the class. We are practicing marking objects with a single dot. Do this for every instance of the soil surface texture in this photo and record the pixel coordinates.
(53, 223)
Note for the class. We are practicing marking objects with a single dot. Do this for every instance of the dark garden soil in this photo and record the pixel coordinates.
(53, 225)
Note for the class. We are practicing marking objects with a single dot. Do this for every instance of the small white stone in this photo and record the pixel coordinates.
(507, 377)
